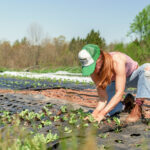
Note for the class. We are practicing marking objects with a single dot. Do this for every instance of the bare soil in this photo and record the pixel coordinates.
(86, 97)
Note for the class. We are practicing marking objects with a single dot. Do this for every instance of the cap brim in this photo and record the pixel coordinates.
(88, 70)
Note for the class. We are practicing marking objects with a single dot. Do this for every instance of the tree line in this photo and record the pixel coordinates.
(46, 53)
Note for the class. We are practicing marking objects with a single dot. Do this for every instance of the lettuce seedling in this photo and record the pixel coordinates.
(39, 126)
(49, 105)
(31, 116)
(46, 111)
(63, 109)
(46, 123)
(118, 123)
(67, 130)
(64, 118)
(51, 137)
(72, 119)
(23, 113)
(91, 118)
(103, 136)
(56, 118)
(39, 116)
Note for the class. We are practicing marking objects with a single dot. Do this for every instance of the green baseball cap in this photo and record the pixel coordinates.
(88, 57)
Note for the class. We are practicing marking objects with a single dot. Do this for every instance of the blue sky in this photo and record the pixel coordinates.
(70, 18)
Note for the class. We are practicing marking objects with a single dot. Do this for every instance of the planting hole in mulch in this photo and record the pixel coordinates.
(135, 134)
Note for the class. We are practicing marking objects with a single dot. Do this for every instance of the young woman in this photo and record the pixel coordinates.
(113, 72)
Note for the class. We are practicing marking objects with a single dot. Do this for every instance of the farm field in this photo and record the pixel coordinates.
(52, 112)
(47, 48)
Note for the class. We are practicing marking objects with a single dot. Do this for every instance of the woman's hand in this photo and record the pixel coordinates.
(92, 117)
(100, 117)
(96, 116)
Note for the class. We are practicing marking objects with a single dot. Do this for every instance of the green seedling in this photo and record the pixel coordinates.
(26, 82)
(118, 129)
(63, 109)
(31, 132)
(117, 121)
(91, 118)
(51, 137)
(39, 138)
(39, 116)
(138, 145)
(103, 136)
(67, 130)
(6, 113)
(72, 119)
(64, 118)
(39, 84)
(77, 82)
(46, 123)
(148, 123)
(46, 111)
(49, 105)
(108, 120)
(6, 116)
(56, 118)
(60, 80)
(49, 113)
(103, 147)
(31, 116)
(96, 124)
(85, 125)
(24, 113)
(79, 111)
(39, 126)
(119, 141)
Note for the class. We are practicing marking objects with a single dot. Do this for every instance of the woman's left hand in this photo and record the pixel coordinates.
(99, 118)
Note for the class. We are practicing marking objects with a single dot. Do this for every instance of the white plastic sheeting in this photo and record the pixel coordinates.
(63, 75)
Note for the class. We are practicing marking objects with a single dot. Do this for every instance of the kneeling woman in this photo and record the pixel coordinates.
(113, 72)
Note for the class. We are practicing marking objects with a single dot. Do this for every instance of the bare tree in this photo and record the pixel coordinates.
(35, 34)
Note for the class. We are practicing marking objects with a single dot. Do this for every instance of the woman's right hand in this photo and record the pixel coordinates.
(95, 113)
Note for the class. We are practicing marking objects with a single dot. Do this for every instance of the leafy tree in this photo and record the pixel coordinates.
(16, 43)
(76, 44)
(141, 29)
(95, 38)
(141, 24)
(24, 41)
(91, 38)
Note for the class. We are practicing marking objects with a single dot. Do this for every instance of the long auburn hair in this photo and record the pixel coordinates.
(104, 69)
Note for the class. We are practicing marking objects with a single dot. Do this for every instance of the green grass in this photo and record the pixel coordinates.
(73, 69)
(76, 69)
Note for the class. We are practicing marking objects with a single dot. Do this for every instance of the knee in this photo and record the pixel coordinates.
(147, 71)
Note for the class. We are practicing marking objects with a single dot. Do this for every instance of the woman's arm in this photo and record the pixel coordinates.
(119, 68)
(102, 103)
(102, 95)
